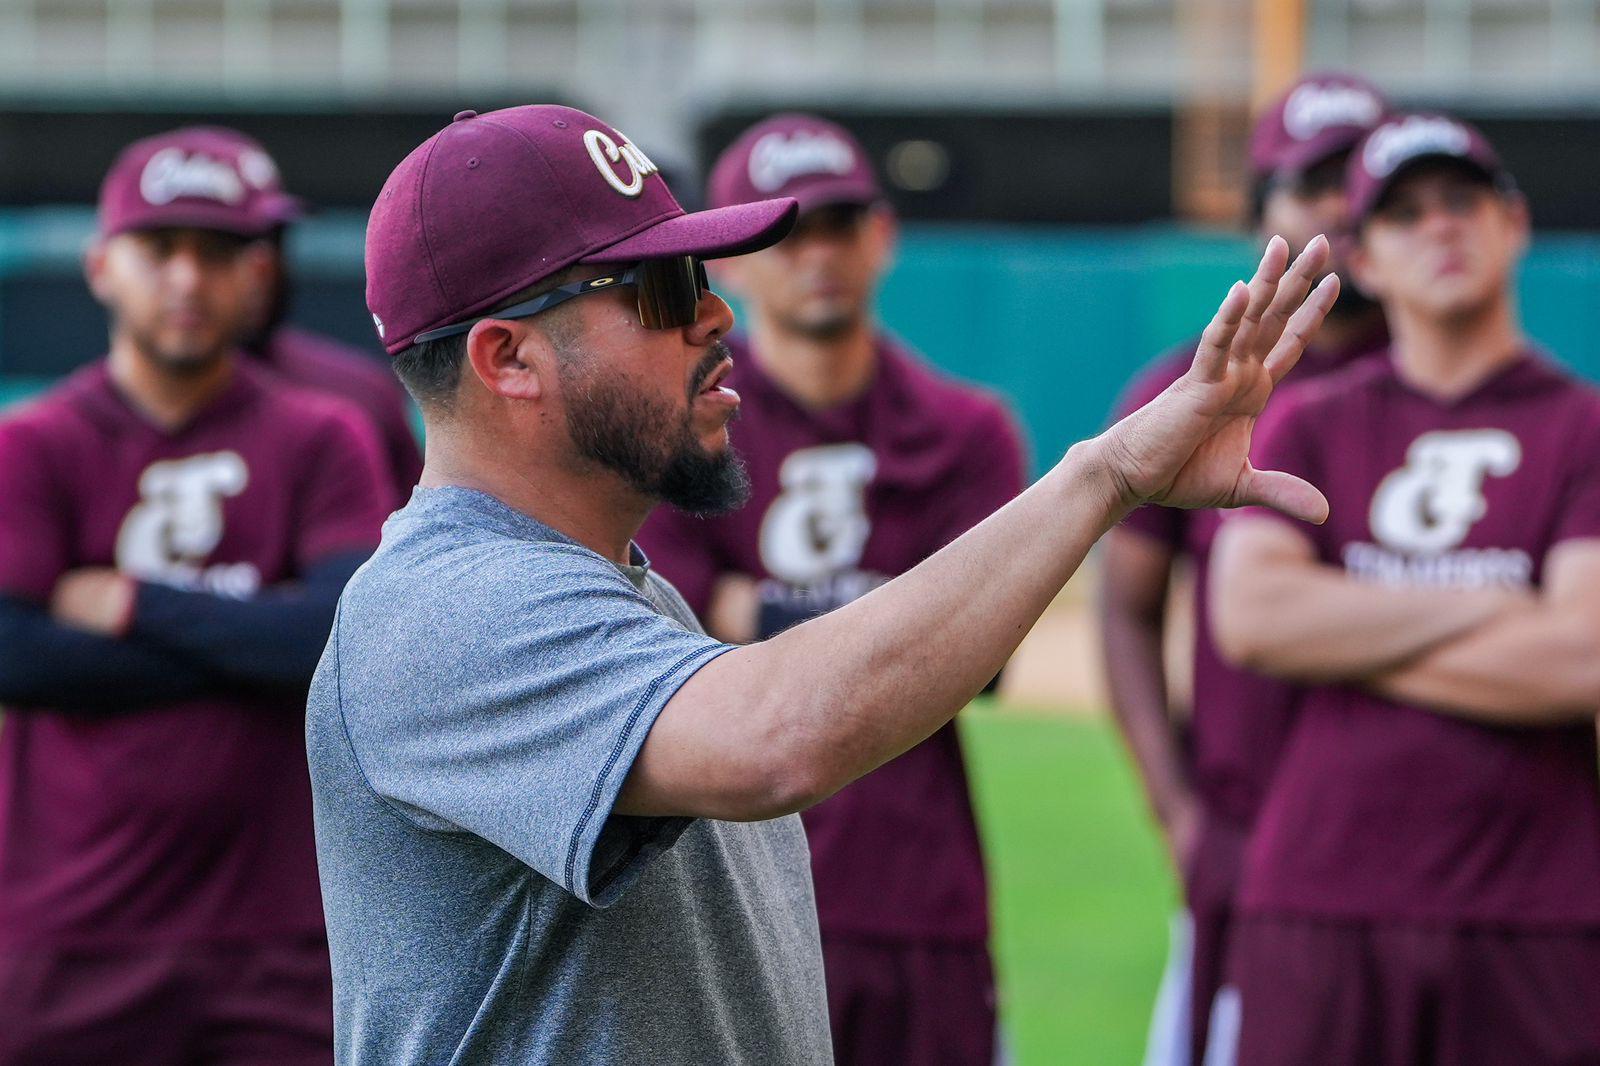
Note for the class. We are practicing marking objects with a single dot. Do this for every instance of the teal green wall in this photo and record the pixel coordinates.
(1055, 319)
(1060, 320)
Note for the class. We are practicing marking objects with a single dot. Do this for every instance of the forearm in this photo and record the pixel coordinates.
(1138, 699)
(274, 638)
(1135, 666)
(837, 696)
(1535, 667)
(45, 664)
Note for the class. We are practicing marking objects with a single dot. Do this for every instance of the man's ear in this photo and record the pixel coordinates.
(883, 236)
(1361, 268)
(261, 260)
(1522, 218)
(94, 271)
(505, 355)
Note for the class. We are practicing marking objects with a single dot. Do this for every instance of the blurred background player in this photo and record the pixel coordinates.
(864, 461)
(1424, 882)
(177, 528)
(298, 354)
(1204, 782)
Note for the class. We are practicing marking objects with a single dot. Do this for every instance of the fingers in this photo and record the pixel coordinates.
(1211, 357)
(1295, 497)
(1262, 289)
(1291, 292)
(1302, 327)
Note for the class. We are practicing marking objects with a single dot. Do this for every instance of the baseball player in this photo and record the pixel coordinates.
(555, 820)
(299, 355)
(178, 524)
(863, 461)
(1205, 784)
(1423, 885)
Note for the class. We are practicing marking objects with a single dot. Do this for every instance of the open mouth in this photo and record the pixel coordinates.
(713, 382)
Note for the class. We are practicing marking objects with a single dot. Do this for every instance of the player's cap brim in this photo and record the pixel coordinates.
(715, 234)
(1296, 160)
(846, 190)
(221, 218)
(1363, 206)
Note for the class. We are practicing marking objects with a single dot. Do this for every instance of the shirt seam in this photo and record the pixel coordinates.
(589, 809)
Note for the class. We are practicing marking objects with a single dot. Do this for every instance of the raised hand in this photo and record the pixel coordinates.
(1190, 446)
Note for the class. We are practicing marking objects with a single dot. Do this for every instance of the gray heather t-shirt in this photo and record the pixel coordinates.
(485, 691)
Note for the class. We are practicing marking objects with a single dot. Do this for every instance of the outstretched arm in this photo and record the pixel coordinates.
(776, 726)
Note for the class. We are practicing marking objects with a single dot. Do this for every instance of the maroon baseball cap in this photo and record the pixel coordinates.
(1404, 140)
(809, 158)
(1320, 116)
(493, 204)
(207, 177)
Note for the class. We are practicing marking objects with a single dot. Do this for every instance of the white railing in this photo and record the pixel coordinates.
(659, 59)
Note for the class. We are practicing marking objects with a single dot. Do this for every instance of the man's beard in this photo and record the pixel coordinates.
(650, 445)
(179, 363)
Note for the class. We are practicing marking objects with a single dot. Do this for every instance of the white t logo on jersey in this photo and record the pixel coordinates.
(178, 521)
(1431, 503)
(818, 525)
(607, 154)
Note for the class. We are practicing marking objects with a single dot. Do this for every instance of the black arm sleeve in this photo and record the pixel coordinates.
(46, 664)
(274, 638)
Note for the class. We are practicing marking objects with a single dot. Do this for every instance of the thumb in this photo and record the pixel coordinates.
(1294, 496)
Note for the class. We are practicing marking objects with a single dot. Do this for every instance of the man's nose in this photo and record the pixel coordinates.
(713, 320)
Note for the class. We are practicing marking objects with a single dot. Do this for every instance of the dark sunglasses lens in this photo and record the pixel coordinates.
(670, 291)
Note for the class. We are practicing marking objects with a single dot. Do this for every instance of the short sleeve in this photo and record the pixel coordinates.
(34, 520)
(683, 549)
(1579, 515)
(991, 474)
(345, 490)
(513, 707)
(1165, 525)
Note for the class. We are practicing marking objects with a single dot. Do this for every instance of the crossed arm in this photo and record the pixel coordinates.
(773, 727)
(1494, 655)
(106, 643)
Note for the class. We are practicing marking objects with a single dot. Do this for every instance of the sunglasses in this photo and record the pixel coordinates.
(669, 295)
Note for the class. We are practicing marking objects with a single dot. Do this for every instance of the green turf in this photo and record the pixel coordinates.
(1081, 888)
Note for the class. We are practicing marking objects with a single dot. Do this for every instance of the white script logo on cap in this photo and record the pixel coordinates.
(1315, 107)
(1418, 135)
(172, 173)
(606, 155)
(778, 158)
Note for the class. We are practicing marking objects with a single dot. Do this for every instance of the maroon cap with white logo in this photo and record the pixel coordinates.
(809, 158)
(493, 204)
(201, 176)
(1407, 139)
(1320, 116)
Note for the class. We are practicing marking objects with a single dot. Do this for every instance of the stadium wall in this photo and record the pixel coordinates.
(1057, 319)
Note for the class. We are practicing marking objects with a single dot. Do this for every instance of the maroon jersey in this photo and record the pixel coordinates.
(1238, 720)
(323, 364)
(1381, 809)
(846, 498)
(191, 821)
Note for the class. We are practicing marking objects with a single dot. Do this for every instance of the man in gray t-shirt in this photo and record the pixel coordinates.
(508, 676)
(554, 819)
